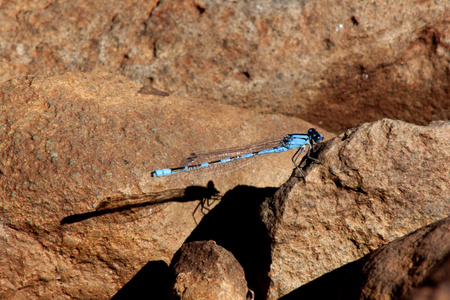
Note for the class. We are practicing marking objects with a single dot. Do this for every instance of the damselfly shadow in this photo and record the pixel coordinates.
(207, 195)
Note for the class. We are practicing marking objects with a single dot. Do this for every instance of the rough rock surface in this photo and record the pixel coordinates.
(412, 267)
(437, 283)
(68, 142)
(374, 183)
(392, 271)
(332, 62)
(204, 270)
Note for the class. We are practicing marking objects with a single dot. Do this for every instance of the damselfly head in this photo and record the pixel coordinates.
(315, 135)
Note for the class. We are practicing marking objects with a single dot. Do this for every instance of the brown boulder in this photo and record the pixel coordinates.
(373, 184)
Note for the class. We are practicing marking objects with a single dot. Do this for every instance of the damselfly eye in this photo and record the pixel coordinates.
(315, 135)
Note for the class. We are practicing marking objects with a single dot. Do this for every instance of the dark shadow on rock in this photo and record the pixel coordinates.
(151, 282)
(136, 201)
(343, 283)
(236, 225)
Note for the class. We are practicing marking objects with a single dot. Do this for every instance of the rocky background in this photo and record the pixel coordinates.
(332, 63)
(97, 95)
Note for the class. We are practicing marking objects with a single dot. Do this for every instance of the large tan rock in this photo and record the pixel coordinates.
(373, 184)
(332, 62)
(68, 143)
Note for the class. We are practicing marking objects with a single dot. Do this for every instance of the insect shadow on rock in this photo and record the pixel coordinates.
(116, 204)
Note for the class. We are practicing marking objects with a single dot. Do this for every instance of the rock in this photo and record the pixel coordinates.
(70, 142)
(415, 266)
(396, 268)
(373, 184)
(236, 225)
(436, 285)
(204, 270)
(336, 63)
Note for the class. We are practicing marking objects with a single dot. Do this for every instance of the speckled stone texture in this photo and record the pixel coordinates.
(330, 62)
